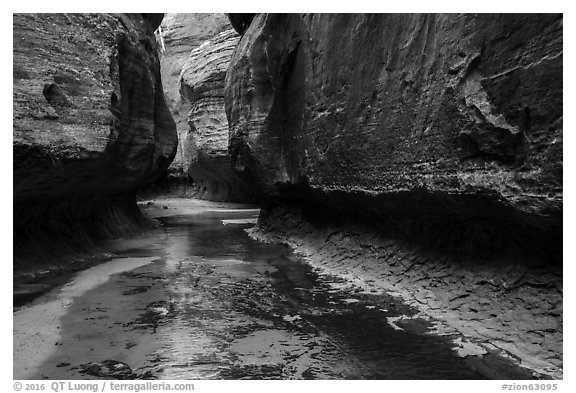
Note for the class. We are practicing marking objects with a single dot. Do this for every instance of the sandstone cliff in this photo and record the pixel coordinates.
(439, 134)
(462, 110)
(91, 125)
(181, 34)
(205, 144)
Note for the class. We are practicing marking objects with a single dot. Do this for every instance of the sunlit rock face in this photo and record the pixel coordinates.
(91, 123)
(431, 120)
(196, 51)
(180, 34)
(205, 145)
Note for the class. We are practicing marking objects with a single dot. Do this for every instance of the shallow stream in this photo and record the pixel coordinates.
(197, 298)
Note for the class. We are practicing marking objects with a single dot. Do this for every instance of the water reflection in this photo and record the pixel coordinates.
(246, 309)
(216, 304)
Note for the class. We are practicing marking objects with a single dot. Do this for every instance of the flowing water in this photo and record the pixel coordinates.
(197, 298)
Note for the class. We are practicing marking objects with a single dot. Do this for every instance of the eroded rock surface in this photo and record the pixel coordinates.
(438, 134)
(382, 103)
(181, 34)
(91, 125)
(499, 306)
(205, 145)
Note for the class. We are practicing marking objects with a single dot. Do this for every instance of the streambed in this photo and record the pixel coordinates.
(197, 298)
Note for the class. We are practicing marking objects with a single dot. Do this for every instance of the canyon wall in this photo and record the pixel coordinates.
(205, 145)
(462, 111)
(181, 33)
(196, 51)
(429, 145)
(91, 125)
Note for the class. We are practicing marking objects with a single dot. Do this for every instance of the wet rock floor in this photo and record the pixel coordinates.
(205, 301)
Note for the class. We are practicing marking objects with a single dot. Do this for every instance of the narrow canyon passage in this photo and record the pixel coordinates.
(288, 196)
(197, 298)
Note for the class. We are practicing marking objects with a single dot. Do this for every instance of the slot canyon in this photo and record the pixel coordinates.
(288, 196)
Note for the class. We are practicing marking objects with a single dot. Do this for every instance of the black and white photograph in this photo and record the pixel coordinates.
(286, 196)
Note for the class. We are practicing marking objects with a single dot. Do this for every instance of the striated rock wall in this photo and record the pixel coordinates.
(462, 110)
(91, 125)
(181, 34)
(439, 134)
(393, 102)
(205, 145)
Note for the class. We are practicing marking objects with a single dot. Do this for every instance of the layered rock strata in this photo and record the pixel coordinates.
(179, 35)
(205, 144)
(91, 125)
(433, 141)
